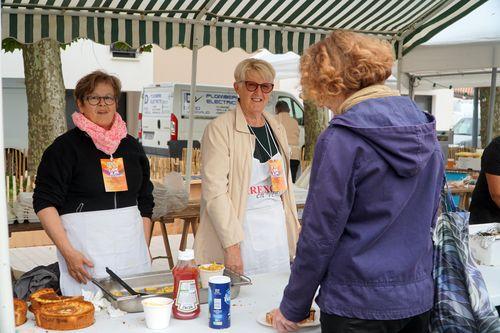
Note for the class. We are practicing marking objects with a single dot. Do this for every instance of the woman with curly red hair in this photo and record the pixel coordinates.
(366, 236)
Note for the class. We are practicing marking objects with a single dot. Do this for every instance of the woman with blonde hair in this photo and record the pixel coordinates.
(248, 213)
(366, 236)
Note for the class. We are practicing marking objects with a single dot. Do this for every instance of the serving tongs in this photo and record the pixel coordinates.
(128, 288)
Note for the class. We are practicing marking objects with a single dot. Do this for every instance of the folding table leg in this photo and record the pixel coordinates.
(167, 245)
(194, 225)
(185, 231)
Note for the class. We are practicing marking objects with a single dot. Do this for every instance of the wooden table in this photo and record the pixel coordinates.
(465, 194)
(190, 217)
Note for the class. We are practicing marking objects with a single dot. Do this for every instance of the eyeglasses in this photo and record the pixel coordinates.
(265, 87)
(96, 100)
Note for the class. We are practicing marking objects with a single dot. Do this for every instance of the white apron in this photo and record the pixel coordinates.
(111, 238)
(265, 247)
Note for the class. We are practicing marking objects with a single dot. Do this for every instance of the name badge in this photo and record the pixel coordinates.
(278, 182)
(113, 173)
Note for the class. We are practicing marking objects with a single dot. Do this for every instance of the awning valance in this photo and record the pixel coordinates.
(279, 26)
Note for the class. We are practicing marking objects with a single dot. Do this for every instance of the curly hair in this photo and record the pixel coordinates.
(344, 62)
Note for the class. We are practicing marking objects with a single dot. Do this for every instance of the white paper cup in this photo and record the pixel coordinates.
(157, 311)
(206, 274)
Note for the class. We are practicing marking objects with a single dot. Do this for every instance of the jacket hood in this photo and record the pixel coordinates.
(403, 135)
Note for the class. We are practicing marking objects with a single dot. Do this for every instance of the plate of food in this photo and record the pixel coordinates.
(266, 319)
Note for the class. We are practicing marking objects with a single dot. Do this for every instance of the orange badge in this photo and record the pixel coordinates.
(113, 173)
(278, 181)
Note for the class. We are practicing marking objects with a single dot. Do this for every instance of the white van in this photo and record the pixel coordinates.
(164, 112)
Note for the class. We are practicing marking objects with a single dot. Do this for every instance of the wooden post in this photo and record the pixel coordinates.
(14, 189)
(7, 187)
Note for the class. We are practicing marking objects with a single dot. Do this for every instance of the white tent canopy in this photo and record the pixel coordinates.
(462, 55)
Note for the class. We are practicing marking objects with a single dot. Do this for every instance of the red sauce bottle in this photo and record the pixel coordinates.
(186, 293)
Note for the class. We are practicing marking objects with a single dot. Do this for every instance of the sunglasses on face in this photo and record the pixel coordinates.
(252, 86)
(95, 100)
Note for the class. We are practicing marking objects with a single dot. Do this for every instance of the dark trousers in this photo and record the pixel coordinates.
(336, 324)
(294, 167)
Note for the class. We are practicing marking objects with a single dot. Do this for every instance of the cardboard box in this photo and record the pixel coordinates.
(484, 243)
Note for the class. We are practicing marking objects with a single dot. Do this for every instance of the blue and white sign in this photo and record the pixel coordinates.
(209, 104)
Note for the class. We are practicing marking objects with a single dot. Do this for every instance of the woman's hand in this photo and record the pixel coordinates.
(232, 258)
(281, 324)
(75, 261)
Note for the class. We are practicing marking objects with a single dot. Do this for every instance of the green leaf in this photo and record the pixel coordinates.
(10, 45)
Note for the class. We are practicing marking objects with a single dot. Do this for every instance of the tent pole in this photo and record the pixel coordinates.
(7, 324)
(192, 91)
(492, 103)
(475, 118)
(400, 64)
(411, 87)
(192, 102)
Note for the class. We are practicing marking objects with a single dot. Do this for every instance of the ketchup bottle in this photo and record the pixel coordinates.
(186, 293)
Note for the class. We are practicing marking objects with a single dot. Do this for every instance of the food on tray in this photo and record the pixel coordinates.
(168, 289)
(117, 293)
(490, 232)
(65, 315)
(211, 267)
(48, 296)
(209, 270)
(310, 319)
(20, 310)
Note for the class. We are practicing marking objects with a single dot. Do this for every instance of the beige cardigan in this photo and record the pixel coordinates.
(227, 149)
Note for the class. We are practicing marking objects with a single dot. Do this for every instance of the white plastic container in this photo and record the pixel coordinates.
(157, 311)
(207, 271)
(466, 163)
(485, 249)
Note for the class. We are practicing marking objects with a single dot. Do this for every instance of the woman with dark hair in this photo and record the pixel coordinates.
(373, 198)
(93, 194)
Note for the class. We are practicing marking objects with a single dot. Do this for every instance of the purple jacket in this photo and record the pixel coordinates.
(366, 236)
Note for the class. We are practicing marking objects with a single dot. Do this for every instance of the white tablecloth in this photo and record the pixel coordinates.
(491, 276)
(263, 295)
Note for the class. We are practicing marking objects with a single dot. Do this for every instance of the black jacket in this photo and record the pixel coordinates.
(70, 179)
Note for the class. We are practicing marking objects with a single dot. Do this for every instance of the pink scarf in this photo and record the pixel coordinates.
(105, 140)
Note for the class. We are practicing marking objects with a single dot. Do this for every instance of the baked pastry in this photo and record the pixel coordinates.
(65, 315)
(48, 296)
(310, 319)
(20, 311)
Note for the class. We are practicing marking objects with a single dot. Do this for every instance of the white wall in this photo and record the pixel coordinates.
(79, 59)
(15, 115)
(85, 56)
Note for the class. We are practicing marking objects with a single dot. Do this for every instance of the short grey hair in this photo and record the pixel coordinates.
(263, 68)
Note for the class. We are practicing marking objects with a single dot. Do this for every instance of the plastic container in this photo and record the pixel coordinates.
(157, 311)
(186, 293)
(219, 302)
(484, 243)
(209, 270)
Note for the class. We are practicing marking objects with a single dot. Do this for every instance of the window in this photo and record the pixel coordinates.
(298, 113)
(121, 50)
(288, 101)
(295, 109)
(463, 127)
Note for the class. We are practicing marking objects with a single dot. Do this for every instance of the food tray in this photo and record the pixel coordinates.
(158, 279)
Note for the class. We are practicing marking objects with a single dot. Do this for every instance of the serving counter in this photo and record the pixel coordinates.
(262, 296)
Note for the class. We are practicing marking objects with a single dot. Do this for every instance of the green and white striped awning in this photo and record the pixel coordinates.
(279, 26)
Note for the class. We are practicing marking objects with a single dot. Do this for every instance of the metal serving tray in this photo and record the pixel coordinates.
(159, 279)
